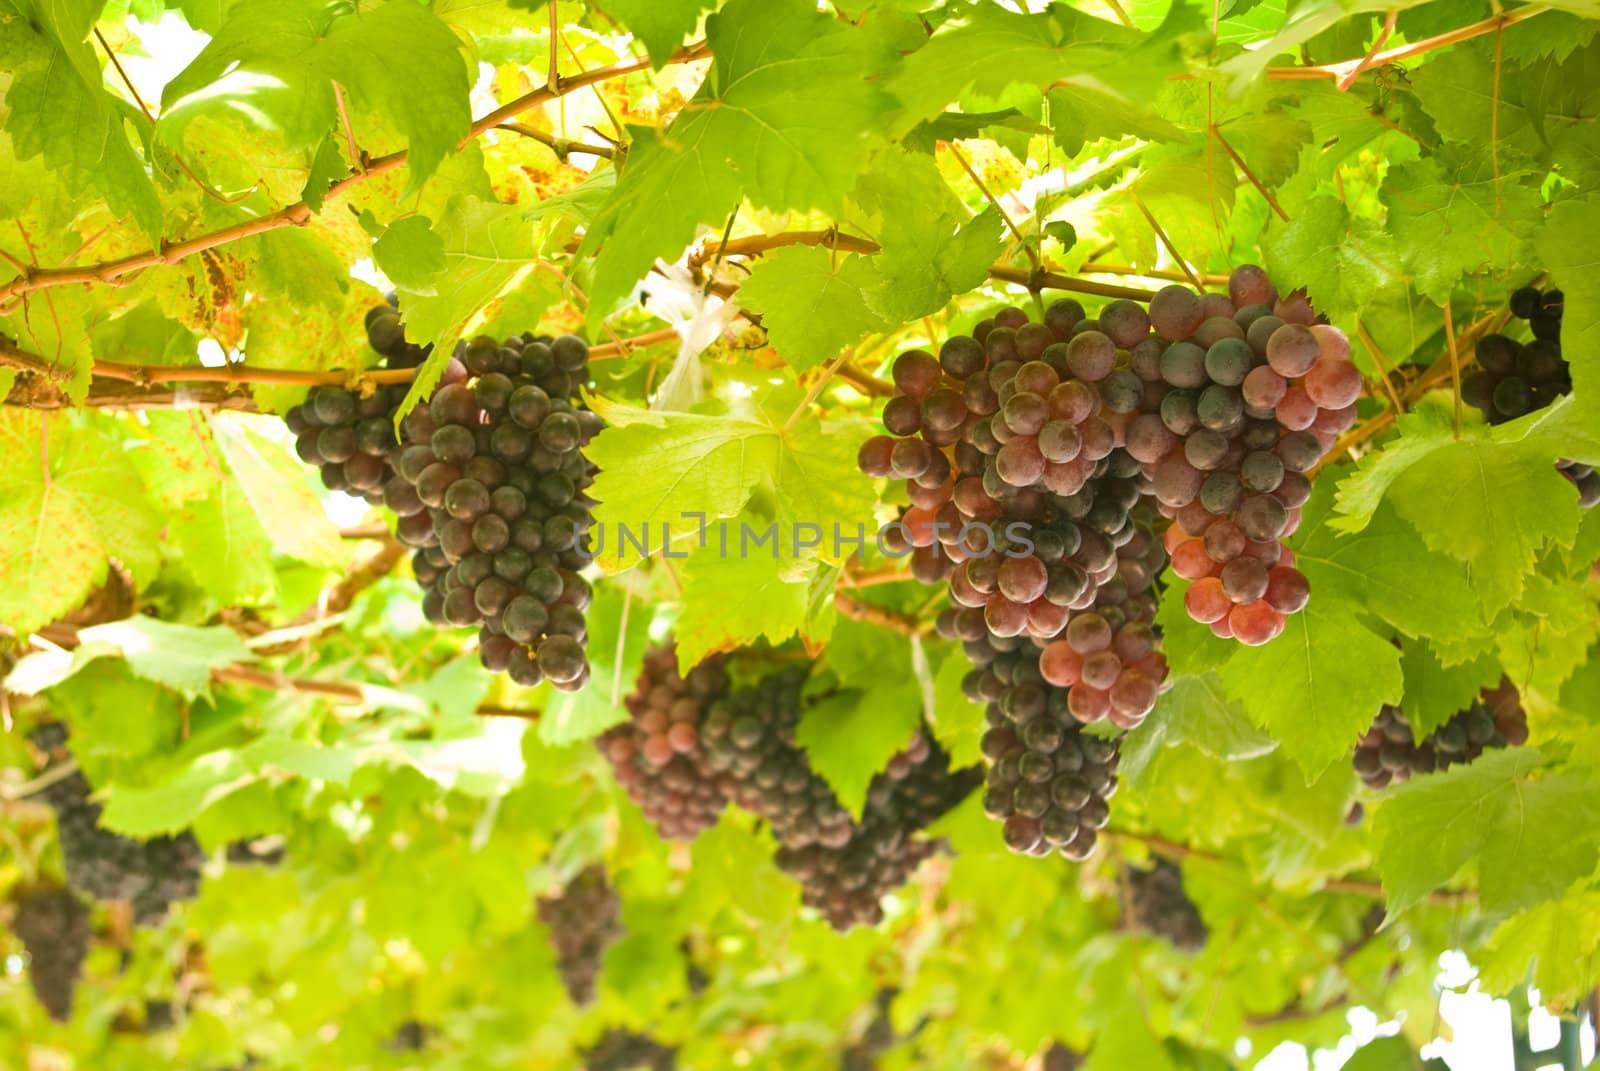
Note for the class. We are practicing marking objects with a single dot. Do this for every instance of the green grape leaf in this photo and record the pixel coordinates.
(1453, 215)
(275, 63)
(1508, 810)
(1194, 710)
(1341, 260)
(956, 721)
(660, 25)
(328, 166)
(59, 111)
(705, 469)
(276, 484)
(986, 49)
(62, 520)
(411, 254)
(932, 250)
(1559, 940)
(1491, 506)
(812, 307)
(180, 657)
(1547, 638)
(1317, 687)
(1572, 262)
(223, 546)
(1422, 431)
(1385, 1054)
(488, 248)
(1435, 693)
(732, 601)
(1386, 568)
(789, 109)
(850, 737)
(172, 806)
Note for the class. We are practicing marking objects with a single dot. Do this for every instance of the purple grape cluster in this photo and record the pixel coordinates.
(497, 506)
(1158, 904)
(150, 874)
(1052, 467)
(658, 755)
(1517, 378)
(582, 919)
(350, 436)
(1390, 752)
(488, 481)
(53, 926)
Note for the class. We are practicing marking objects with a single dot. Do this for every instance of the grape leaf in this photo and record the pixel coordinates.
(851, 736)
(1457, 90)
(1558, 940)
(660, 25)
(1548, 635)
(275, 484)
(1341, 260)
(788, 110)
(488, 248)
(811, 307)
(1435, 693)
(932, 249)
(411, 254)
(1508, 810)
(1384, 1054)
(172, 806)
(1386, 568)
(1422, 431)
(954, 722)
(275, 63)
(60, 112)
(60, 523)
(734, 600)
(712, 466)
(1317, 687)
(1194, 710)
(1453, 215)
(986, 49)
(1574, 266)
(180, 657)
(1491, 506)
(222, 545)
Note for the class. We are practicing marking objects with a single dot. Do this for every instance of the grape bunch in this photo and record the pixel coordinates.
(1389, 752)
(658, 755)
(623, 1050)
(1253, 391)
(1159, 906)
(1058, 1057)
(496, 506)
(349, 436)
(582, 920)
(1516, 378)
(844, 866)
(151, 874)
(1049, 781)
(53, 926)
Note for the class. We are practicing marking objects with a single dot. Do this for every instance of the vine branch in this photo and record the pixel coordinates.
(342, 691)
(299, 213)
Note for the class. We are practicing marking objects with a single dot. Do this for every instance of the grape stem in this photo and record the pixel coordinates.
(300, 213)
(1173, 850)
(340, 691)
(142, 375)
(755, 244)
(860, 610)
